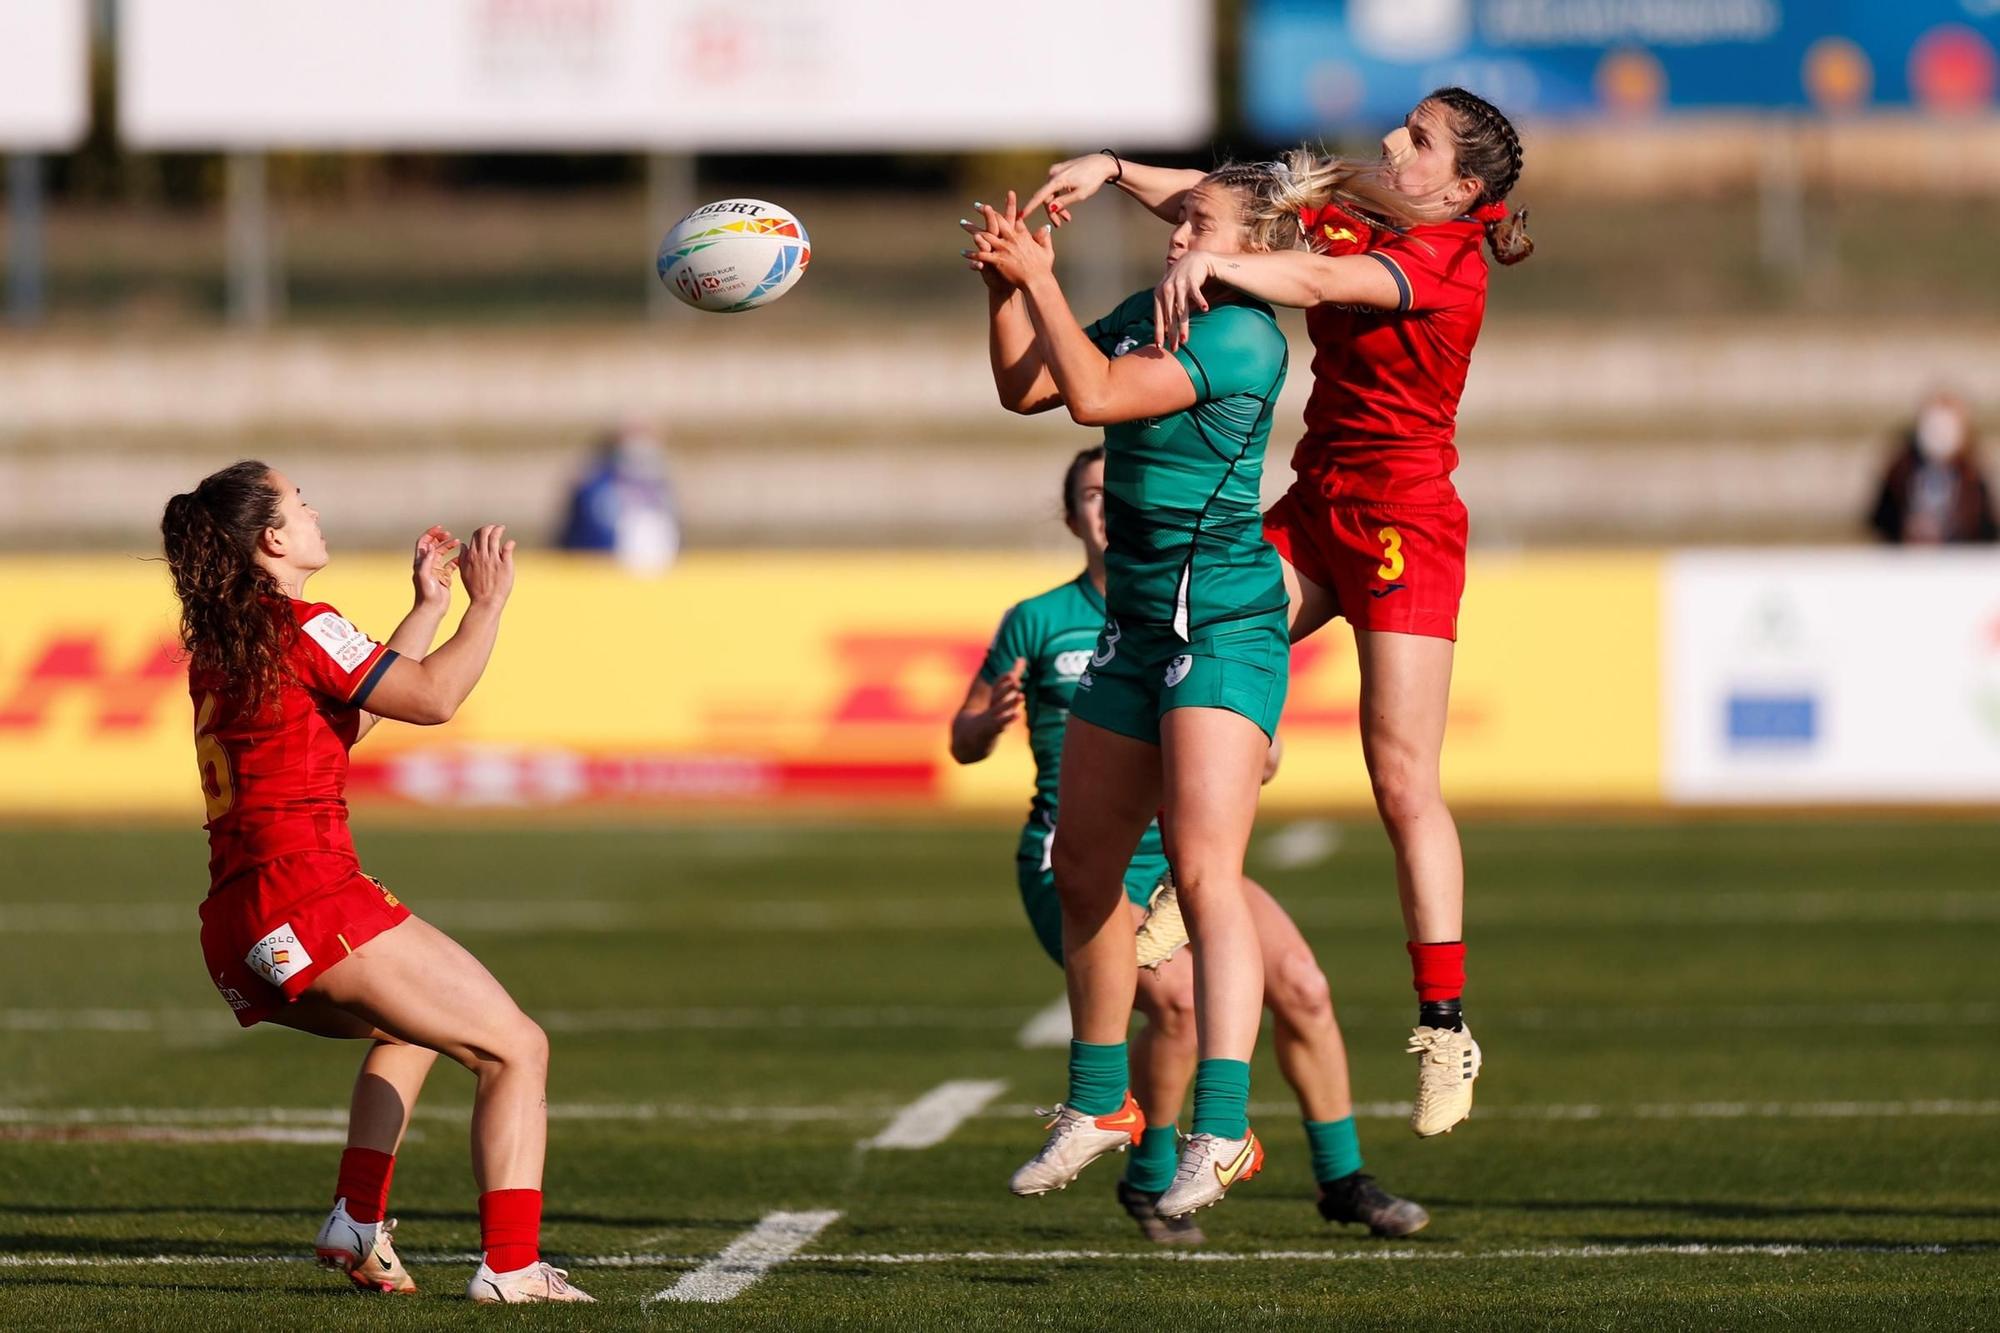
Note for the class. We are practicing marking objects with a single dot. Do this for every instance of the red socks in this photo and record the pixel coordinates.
(510, 1228)
(1438, 970)
(364, 1183)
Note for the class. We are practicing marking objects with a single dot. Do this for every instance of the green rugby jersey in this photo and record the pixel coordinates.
(1055, 631)
(1182, 509)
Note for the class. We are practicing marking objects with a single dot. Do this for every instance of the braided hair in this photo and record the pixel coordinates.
(1489, 149)
(230, 626)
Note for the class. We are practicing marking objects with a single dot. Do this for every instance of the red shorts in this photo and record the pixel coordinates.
(1389, 567)
(268, 936)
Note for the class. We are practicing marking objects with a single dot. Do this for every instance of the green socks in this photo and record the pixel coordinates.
(1222, 1098)
(1098, 1077)
(1150, 1166)
(1336, 1148)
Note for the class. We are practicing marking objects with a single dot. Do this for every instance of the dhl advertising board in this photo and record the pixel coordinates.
(771, 679)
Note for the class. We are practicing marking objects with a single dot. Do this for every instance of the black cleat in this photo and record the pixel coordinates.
(1140, 1205)
(1357, 1198)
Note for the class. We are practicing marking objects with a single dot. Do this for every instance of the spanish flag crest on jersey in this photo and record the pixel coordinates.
(1333, 230)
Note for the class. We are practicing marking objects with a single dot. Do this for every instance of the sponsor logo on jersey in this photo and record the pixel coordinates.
(1107, 647)
(232, 997)
(1083, 681)
(1379, 593)
(346, 645)
(1124, 345)
(1071, 664)
(1177, 670)
(278, 956)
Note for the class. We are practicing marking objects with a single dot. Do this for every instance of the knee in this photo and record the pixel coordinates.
(1171, 1010)
(1406, 788)
(520, 1047)
(531, 1045)
(1297, 992)
(1085, 891)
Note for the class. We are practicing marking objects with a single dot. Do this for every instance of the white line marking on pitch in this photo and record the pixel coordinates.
(198, 1116)
(751, 1255)
(1696, 1249)
(173, 1134)
(933, 1117)
(1049, 1029)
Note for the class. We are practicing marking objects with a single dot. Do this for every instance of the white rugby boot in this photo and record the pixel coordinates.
(1447, 1066)
(1075, 1141)
(538, 1283)
(363, 1251)
(1209, 1165)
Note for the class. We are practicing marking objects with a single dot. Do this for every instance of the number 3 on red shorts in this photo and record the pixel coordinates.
(1392, 554)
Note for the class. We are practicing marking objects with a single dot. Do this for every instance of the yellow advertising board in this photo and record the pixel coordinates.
(750, 679)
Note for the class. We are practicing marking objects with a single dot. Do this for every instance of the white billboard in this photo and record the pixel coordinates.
(44, 74)
(1845, 676)
(662, 75)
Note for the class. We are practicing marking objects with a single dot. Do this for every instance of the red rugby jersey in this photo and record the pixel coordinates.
(1386, 383)
(275, 783)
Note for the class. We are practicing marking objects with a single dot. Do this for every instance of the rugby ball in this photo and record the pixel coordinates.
(734, 254)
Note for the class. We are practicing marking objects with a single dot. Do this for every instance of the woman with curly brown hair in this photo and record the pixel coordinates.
(292, 930)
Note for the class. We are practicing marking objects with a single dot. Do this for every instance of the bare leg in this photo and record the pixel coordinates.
(1110, 789)
(1405, 689)
(1163, 1051)
(1214, 766)
(385, 1092)
(418, 986)
(1311, 605)
(1304, 1030)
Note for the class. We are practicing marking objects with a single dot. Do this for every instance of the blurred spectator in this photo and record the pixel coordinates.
(1934, 491)
(624, 504)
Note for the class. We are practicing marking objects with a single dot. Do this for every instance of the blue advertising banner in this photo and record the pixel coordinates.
(1315, 65)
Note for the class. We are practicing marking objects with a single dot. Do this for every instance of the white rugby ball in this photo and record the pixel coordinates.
(734, 254)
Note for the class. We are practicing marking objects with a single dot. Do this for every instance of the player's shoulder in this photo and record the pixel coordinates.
(1132, 318)
(321, 624)
(1443, 246)
(1245, 328)
(1044, 606)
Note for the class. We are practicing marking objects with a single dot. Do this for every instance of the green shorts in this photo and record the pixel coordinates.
(1137, 674)
(1038, 881)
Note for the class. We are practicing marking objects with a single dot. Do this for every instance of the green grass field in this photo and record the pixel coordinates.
(1737, 1076)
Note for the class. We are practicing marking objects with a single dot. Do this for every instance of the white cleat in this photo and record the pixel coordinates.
(1075, 1141)
(363, 1251)
(538, 1283)
(1209, 1165)
(1447, 1066)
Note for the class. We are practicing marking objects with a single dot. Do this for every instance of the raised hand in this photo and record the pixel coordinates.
(487, 564)
(1003, 242)
(1007, 700)
(1179, 295)
(433, 565)
(1069, 184)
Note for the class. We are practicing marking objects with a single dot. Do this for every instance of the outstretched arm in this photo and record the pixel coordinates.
(1160, 189)
(1297, 278)
(1019, 376)
(1098, 390)
(431, 572)
(429, 690)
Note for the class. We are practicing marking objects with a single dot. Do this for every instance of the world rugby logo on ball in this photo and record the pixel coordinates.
(734, 254)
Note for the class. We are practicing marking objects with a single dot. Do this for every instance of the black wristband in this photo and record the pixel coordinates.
(1116, 163)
